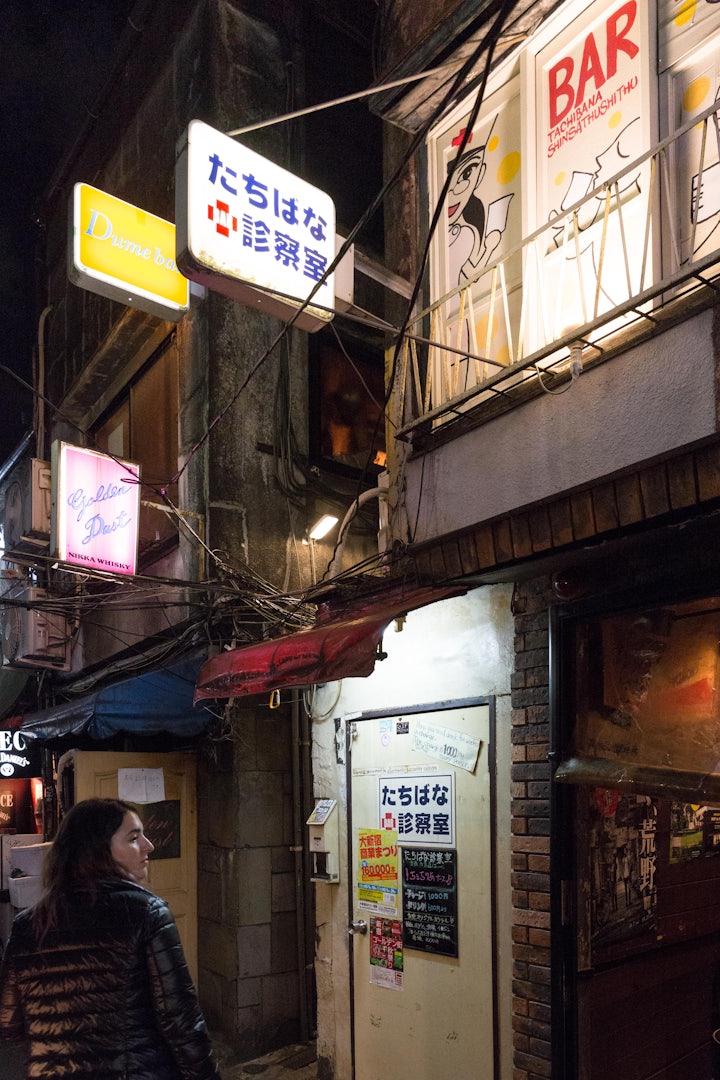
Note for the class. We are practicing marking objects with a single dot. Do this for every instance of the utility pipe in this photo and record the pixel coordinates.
(298, 850)
(364, 497)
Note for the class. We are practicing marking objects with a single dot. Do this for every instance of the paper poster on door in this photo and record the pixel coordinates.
(386, 953)
(446, 744)
(378, 883)
(141, 785)
(420, 807)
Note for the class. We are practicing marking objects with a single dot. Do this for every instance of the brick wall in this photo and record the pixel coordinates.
(531, 832)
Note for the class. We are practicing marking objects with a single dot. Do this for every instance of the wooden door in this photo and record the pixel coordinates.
(175, 877)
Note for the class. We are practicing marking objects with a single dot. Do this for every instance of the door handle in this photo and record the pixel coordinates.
(359, 927)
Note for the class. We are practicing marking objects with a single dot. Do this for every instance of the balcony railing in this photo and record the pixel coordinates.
(614, 266)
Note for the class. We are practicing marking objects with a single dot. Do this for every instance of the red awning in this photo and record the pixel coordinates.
(341, 645)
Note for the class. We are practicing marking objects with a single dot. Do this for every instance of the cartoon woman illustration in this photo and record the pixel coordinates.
(473, 232)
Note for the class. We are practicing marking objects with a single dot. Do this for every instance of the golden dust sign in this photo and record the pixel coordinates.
(97, 500)
(125, 254)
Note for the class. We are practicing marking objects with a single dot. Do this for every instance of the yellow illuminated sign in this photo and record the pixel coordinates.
(126, 254)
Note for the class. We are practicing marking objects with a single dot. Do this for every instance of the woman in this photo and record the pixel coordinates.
(94, 977)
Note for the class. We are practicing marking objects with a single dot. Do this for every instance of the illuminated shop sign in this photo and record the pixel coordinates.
(97, 504)
(19, 757)
(126, 254)
(594, 119)
(251, 230)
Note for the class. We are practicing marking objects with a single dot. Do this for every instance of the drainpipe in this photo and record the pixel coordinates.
(298, 747)
(40, 401)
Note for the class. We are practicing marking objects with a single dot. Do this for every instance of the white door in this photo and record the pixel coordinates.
(424, 1008)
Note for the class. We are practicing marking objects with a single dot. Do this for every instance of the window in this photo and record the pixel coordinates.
(143, 428)
(347, 425)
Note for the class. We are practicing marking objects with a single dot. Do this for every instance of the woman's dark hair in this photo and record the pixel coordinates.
(80, 856)
(474, 212)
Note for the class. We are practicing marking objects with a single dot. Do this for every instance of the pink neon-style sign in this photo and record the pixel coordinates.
(98, 503)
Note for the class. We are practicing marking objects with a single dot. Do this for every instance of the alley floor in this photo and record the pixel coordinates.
(296, 1062)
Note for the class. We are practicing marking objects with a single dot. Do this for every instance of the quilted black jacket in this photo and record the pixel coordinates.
(108, 996)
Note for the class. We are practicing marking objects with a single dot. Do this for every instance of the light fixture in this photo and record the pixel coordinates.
(322, 527)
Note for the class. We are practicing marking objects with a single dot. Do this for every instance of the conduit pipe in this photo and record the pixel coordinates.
(379, 492)
(40, 386)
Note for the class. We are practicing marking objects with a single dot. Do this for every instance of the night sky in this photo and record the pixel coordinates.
(57, 56)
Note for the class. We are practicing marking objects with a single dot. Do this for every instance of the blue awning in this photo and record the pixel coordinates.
(157, 702)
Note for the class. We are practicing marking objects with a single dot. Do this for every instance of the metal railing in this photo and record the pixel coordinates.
(612, 266)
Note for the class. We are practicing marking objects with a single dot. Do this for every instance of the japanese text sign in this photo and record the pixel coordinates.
(126, 254)
(252, 230)
(430, 900)
(97, 500)
(420, 807)
(377, 875)
(446, 744)
(386, 953)
(593, 93)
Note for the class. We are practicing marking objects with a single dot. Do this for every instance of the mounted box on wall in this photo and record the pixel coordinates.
(324, 841)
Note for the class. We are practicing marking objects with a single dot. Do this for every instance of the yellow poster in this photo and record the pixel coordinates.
(377, 876)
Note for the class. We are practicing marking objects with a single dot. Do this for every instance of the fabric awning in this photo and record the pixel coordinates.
(341, 645)
(159, 701)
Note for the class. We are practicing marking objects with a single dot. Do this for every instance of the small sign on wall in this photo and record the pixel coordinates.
(141, 785)
(430, 917)
(420, 806)
(19, 755)
(161, 822)
(378, 883)
(122, 252)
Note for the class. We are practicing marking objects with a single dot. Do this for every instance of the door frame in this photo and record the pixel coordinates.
(414, 710)
(566, 1058)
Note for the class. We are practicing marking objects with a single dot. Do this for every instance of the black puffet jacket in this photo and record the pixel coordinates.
(108, 996)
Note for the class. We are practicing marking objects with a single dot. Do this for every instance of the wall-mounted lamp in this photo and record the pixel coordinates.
(322, 527)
